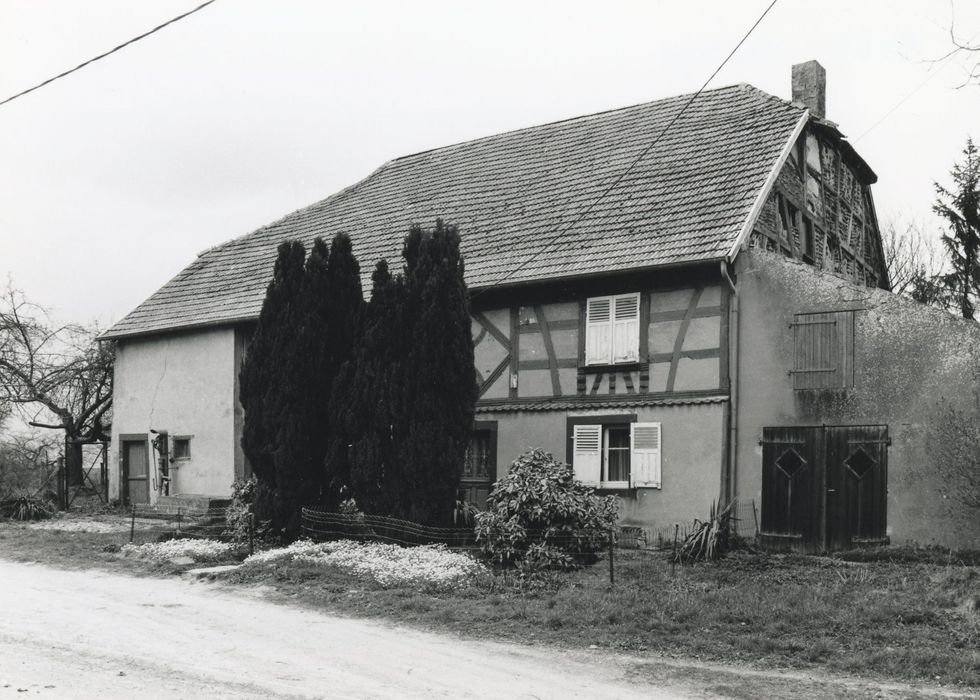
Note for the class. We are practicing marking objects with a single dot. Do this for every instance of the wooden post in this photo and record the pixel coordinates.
(251, 532)
(612, 546)
(132, 523)
(62, 484)
(755, 517)
(178, 521)
(673, 559)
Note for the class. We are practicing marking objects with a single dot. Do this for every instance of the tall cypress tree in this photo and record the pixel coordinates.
(366, 393)
(264, 380)
(440, 392)
(344, 306)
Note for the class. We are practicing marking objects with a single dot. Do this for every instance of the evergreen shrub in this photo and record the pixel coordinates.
(540, 512)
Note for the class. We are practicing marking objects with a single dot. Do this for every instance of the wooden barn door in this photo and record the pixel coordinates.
(792, 480)
(824, 487)
(857, 485)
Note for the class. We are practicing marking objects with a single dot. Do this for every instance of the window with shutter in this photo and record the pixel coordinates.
(626, 328)
(587, 459)
(598, 331)
(645, 457)
(612, 329)
(823, 350)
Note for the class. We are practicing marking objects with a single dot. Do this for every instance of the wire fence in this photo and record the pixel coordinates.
(157, 523)
(629, 550)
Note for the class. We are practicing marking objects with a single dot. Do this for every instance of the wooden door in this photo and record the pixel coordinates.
(480, 465)
(135, 471)
(824, 487)
(792, 479)
(857, 485)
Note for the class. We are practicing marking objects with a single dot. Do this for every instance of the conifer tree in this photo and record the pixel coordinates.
(366, 393)
(440, 391)
(343, 301)
(264, 382)
(960, 207)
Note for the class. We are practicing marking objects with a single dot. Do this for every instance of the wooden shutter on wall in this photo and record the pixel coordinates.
(824, 350)
(626, 328)
(645, 457)
(587, 459)
(598, 331)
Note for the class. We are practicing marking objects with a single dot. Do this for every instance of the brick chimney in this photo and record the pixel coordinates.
(810, 87)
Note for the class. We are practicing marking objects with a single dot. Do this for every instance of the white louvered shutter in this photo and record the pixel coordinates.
(587, 458)
(626, 328)
(598, 331)
(645, 455)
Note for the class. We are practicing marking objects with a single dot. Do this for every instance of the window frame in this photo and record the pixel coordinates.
(173, 449)
(619, 419)
(634, 354)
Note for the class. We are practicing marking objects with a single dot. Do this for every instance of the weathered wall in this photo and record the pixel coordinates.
(184, 384)
(691, 458)
(908, 358)
(820, 210)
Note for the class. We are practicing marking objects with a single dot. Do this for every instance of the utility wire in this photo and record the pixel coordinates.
(107, 53)
(945, 61)
(561, 232)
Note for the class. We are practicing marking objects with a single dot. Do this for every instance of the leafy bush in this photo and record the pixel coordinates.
(540, 513)
(238, 515)
(709, 539)
(26, 508)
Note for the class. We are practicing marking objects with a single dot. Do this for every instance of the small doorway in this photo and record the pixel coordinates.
(135, 477)
(824, 487)
(480, 465)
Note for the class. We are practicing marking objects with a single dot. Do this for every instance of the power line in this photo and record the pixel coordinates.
(107, 53)
(945, 60)
(561, 232)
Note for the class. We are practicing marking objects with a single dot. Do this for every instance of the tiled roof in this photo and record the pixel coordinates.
(589, 402)
(685, 202)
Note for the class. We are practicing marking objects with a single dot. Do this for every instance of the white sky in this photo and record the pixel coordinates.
(114, 178)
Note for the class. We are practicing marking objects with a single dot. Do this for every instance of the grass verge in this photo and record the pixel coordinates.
(896, 619)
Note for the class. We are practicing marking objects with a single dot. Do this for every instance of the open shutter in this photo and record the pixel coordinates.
(598, 331)
(645, 455)
(626, 328)
(587, 459)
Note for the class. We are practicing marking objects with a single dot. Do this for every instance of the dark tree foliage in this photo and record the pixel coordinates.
(305, 332)
(403, 407)
(268, 394)
(335, 293)
(960, 207)
(366, 393)
(440, 387)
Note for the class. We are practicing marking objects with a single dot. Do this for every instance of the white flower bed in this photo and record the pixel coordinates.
(198, 550)
(430, 566)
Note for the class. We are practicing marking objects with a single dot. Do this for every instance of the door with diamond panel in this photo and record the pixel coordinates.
(824, 487)
(857, 485)
(791, 481)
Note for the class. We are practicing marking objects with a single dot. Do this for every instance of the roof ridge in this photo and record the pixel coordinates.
(508, 132)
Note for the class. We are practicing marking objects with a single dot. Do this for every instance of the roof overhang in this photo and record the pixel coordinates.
(767, 186)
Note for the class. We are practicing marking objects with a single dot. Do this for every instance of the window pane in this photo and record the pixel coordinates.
(617, 453)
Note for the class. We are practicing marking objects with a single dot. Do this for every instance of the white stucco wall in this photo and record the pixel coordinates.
(184, 384)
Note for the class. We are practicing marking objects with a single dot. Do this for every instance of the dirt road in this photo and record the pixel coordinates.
(86, 634)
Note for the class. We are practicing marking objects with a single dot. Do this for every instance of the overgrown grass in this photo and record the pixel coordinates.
(899, 621)
(902, 620)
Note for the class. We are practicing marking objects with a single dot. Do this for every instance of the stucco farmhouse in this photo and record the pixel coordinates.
(717, 326)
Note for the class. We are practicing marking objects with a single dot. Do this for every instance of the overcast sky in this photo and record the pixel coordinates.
(114, 178)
